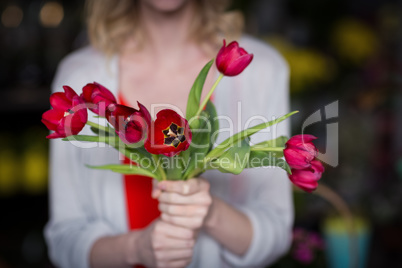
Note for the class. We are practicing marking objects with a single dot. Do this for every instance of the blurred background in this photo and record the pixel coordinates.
(347, 52)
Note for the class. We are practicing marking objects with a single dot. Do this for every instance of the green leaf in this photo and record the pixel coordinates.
(222, 147)
(194, 97)
(88, 138)
(266, 159)
(278, 142)
(200, 143)
(101, 129)
(125, 169)
(201, 137)
(113, 141)
(205, 135)
(140, 151)
(99, 132)
(175, 167)
(275, 146)
(213, 119)
(137, 155)
(233, 160)
(271, 150)
(95, 130)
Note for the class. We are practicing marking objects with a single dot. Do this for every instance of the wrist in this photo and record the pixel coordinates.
(212, 218)
(132, 255)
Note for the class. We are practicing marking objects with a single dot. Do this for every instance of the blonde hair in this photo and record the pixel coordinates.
(111, 23)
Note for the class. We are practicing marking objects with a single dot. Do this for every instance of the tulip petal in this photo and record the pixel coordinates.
(80, 109)
(305, 179)
(298, 159)
(129, 123)
(59, 101)
(300, 151)
(237, 66)
(117, 115)
(300, 154)
(51, 118)
(131, 135)
(76, 123)
(317, 166)
(70, 93)
(307, 148)
(308, 187)
(106, 93)
(69, 115)
(55, 135)
(49, 125)
(242, 52)
(97, 97)
(157, 136)
(168, 116)
(87, 92)
(145, 113)
(220, 56)
(232, 60)
(301, 139)
(134, 132)
(231, 53)
(66, 126)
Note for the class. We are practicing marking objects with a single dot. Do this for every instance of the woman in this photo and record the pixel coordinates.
(150, 51)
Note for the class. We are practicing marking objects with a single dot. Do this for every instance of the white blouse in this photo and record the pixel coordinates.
(87, 204)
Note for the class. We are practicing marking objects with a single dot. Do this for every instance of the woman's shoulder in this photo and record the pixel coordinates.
(86, 57)
(265, 56)
(80, 67)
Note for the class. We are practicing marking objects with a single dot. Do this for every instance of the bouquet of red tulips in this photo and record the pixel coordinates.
(172, 147)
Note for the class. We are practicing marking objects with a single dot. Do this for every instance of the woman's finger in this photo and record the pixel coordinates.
(174, 254)
(200, 198)
(174, 264)
(155, 189)
(183, 210)
(173, 231)
(165, 242)
(188, 187)
(187, 222)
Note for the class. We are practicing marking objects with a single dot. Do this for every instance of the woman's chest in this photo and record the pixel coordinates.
(160, 88)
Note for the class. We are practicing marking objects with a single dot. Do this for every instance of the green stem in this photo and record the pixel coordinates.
(204, 102)
(343, 209)
(269, 149)
(160, 169)
(223, 146)
(193, 173)
(103, 128)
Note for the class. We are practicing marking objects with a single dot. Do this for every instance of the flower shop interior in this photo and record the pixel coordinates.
(345, 58)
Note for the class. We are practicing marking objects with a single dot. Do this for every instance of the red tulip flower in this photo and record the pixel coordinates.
(307, 179)
(97, 97)
(68, 116)
(169, 135)
(130, 124)
(232, 59)
(300, 151)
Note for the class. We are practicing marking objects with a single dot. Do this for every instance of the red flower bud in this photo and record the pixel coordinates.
(300, 151)
(97, 98)
(169, 135)
(307, 179)
(130, 124)
(68, 116)
(232, 59)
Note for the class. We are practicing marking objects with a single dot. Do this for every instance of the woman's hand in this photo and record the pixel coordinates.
(184, 203)
(164, 245)
(189, 204)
